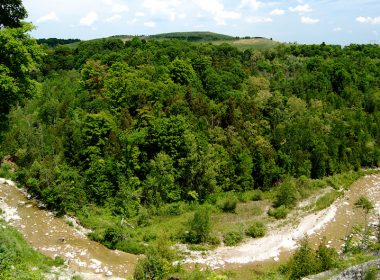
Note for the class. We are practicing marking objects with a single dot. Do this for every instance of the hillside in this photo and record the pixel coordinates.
(196, 37)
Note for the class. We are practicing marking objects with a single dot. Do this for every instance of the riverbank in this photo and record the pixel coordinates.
(54, 237)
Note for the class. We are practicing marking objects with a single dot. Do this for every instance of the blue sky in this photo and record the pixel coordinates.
(303, 21)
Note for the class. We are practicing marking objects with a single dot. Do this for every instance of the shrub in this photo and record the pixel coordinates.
(306, 261)
(326, 200)
(278, 213)
(228, 204)
(257, 229)
(232, 238)
(303, 262)
(328, 257)
(150, 267)
(199, 226)
(287, 194)
(257, 195)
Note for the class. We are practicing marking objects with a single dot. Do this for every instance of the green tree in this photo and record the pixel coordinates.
(199, 226)
(20, 57)
(12, 12)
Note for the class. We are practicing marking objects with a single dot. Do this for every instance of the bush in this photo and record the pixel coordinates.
(278, 213)
(328, 257)
(257, 195)
(303, 262)
(306, 261)
(287, 194)
(232, 238)
(326, 200)
(199, 226)
(257, 229)
(150, 267)
(228, 204)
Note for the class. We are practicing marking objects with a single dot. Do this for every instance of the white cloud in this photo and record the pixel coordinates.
(119, 8)
(277, 12)
(309, 20)
(217, 10)
(259, 20)
(113, 18)
(301, 9)
(52, 16)
(116, 7)
(150, 24)
(254, 4)
(368, 20)
(89, 19)
(337, 29)
(164, 8)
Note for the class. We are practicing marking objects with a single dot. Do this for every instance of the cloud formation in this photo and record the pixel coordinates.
(89, 19)
(52, 16)
(309, 20)
(368, 20)
(301, 9)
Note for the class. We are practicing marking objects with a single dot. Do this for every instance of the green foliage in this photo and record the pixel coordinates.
(326, 200)
(287, 194)
(199, 227)
(20, 57)
(257, 195)
(307, 261)
(150, 267)
(372, 274)
(228, 204)
(256, 229)
(364, 203)
(12, 12)
(233, 237)
(18, 260)
(278, 213)
(145, 130)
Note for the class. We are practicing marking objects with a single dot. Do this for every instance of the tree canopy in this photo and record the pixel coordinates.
(12, 12)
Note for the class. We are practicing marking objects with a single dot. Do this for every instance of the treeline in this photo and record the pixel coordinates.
(53, 42)
(136, 125)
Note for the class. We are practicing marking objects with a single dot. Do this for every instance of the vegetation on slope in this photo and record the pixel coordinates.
(18, 260)
(135, 136)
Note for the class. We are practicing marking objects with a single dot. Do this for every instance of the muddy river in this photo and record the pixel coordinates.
(55, 237)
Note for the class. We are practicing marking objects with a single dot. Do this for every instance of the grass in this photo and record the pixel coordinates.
(326, 200)
(170, 222)
(18, 260)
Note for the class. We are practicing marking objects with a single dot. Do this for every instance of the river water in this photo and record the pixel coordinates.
(53, 237)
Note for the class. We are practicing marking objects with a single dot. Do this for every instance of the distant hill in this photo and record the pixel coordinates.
(53, 42)
(196, 36)
(242, 43)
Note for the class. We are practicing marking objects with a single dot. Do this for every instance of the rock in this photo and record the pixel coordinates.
(109, 273)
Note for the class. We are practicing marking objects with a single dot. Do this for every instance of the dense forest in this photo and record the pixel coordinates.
(144, 123)
(130, 130)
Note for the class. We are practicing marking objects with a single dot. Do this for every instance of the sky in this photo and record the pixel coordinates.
(302, 21)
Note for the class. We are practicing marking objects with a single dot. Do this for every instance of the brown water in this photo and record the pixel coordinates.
(53, 237)
(45, 232)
